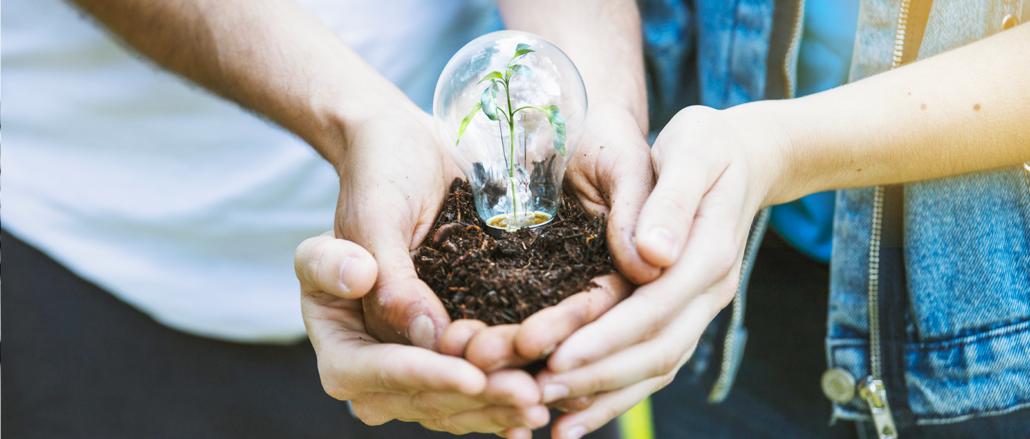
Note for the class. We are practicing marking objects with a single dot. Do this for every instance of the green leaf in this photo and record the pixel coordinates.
(520, 50)
(491, 76)
(488, 101)
(557, 127)
(465, 122)
(521, 70)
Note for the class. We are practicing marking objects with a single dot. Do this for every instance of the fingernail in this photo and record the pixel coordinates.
(576, 432)
(421, 332)
(663, 240)
(550, 350)
(345, 268)
(554, 392)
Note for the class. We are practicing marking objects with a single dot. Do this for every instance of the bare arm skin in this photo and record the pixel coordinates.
(603, 39)
(269, 56)
(961, 111)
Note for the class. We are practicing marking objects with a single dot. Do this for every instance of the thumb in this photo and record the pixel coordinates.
(667, 215)
(335, 266)
(402, 308)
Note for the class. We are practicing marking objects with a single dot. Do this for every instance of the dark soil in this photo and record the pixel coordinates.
(508, 278)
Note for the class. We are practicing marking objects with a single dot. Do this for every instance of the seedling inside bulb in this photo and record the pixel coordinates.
(512, 105)
(488, 103)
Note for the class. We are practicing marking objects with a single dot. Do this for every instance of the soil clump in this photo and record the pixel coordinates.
(505, 279)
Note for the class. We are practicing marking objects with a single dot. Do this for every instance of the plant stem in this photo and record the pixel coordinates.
(511, 143)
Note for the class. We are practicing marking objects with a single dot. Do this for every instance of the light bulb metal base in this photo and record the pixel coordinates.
(531, 220)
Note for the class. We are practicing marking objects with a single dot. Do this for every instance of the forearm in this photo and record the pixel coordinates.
(269, 56)
(963, 111)
(602, 38)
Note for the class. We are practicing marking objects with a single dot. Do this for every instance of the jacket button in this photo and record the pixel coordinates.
(1009, 21)
(838, 385)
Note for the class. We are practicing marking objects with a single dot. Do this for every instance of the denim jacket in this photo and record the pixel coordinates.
(966, 238)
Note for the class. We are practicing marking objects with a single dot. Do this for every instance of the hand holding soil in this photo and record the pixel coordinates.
(513, 278)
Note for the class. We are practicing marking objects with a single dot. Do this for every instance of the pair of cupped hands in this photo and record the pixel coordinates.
(678, 217)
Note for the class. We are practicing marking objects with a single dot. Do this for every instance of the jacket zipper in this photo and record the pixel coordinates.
(872, 389)
(727, 369)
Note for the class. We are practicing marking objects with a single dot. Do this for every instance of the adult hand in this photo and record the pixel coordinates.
(394, 176)
(390, 381)
(714, 171)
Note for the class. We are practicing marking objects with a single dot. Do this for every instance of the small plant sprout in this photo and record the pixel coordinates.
(513, 150)
(488, 103)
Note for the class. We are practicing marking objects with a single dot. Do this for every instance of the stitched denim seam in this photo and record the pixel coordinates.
(1021, 327)
(972, 414)
(850, 414)
(1014, 327)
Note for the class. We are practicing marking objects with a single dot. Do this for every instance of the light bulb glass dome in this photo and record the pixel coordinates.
(507, 85)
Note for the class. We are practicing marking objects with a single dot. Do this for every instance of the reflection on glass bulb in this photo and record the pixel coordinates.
(507, 86)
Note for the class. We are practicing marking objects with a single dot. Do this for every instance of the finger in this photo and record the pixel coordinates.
(668, 214)
(711, 255)
(660, 356)
(517, 433)
(509, 388)
(540, 334)
(457, 336)
(512, 387)
(606, 407)
(379, 408)
(491, 420)
(335, 266)
(402, 308)
(355, 365)
(494, 348)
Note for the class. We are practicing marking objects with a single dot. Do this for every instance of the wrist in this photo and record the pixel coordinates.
(637, 108)
(335, 134)
(773, 148)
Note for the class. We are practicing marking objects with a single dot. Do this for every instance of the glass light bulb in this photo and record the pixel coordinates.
(511, 85)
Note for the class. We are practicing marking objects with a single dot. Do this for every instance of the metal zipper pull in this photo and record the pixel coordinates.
(875, 395)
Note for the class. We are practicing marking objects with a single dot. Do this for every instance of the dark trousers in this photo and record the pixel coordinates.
(83, 364)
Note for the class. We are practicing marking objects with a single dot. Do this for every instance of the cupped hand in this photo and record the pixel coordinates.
(386, 381)
(394, 176)
(611, 175)
(714, 170)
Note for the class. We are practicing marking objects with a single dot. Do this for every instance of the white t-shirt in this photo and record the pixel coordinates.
(177, 202)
